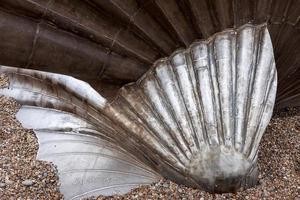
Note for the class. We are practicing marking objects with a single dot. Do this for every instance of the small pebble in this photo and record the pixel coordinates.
(165, 185)
(45, 174)
(8, 182)
(27, 182)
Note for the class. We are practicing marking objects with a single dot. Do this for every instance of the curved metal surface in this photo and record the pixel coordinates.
(118, 40)
(196, 117)
(88, 164)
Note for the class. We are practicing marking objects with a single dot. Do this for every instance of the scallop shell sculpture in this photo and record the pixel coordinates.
(196, 117)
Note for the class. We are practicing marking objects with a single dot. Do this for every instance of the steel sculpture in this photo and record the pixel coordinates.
(196, 117)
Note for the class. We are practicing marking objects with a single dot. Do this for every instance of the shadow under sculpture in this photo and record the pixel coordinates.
(196, 117)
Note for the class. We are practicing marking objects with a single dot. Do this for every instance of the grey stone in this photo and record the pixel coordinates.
(28, 182)
(8, 182)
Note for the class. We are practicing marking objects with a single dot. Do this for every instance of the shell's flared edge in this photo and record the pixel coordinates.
(196, 117)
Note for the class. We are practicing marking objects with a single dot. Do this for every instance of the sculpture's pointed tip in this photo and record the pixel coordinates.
(221, 169)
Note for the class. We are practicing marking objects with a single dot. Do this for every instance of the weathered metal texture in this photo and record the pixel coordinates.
(196, 117)
(117, 40)
(44, 47)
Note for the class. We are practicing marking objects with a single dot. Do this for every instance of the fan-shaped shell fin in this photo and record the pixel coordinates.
(214, 99)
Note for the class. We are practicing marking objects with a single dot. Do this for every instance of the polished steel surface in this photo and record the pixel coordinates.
(196, 117)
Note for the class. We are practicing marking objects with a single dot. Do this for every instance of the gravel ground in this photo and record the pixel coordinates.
(24, 177)
(21, 175)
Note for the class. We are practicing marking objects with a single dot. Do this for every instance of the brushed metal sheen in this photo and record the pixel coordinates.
(196, 117)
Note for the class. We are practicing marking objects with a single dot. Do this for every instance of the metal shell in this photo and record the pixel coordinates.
(196, 117)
